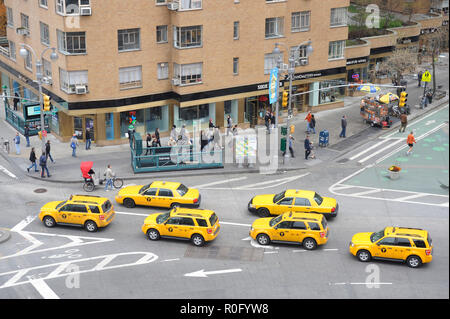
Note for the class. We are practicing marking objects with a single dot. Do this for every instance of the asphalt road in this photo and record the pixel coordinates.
(120, 262)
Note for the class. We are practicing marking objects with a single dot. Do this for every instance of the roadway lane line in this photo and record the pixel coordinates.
(43, 289)
(220, 182)
(366, 150)
(379, 151)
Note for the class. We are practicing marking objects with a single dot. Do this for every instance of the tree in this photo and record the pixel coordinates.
(401, 61)
(432, 48)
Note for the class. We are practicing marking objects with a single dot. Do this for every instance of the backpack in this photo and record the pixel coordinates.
(73, 145)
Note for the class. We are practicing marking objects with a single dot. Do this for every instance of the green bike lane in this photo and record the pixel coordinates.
(424, 173)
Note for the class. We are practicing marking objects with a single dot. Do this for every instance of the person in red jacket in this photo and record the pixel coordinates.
(410, 140)
(308, 122)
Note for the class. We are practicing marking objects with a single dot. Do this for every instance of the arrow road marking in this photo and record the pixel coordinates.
(204, 274)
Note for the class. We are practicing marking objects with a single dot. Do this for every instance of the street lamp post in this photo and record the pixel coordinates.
(291, 72)
(39, 75)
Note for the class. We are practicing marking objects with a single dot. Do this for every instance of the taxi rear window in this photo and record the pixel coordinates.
(106, 206)
(213, 219)
(202, 222)
(324, 223)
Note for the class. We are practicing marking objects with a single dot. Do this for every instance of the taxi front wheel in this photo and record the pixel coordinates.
(129, 203)
(263, 239)
(364, 255)
(49, 221)
(263, 212)
(153, 234)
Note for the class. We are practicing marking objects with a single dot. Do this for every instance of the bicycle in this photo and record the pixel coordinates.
(89, 184)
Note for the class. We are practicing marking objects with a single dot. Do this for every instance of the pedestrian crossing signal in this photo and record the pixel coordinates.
(284, 101)
(46, 103)
(403, 99)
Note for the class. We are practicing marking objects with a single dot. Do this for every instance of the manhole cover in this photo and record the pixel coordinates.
(40, 190)
(344, 160)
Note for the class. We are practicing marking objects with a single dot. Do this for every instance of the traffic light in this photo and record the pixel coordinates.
(46, 103)
(284, 101)
(403, 99)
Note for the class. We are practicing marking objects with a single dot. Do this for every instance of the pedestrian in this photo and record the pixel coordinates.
(26, 133)
(174, 133)
(16, 100)
(88, 138)
(204, 140)
(217, 138)
(419, 78)
(43, 165)
(149, 142)
(267, 120)
(154, 141)
(33, 161)
(158, 139)
(47, 151)
(272, 120)
(291, 146)
(109, 175)
(211, 124)
(343, 126)
(130, 132)
(308, 122)
(312, 124)
(229, 124)
(410, 140)
(235, 130)
(403, 122)
(307, 145)
(17, 143)
(171, 142)
(424, 102)
(430, 96)
(74, 144)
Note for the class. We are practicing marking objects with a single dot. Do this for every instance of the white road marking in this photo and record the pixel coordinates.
(234, 224)
(256, 245)
(43, 289)
(379, 151)
(371, 283)
(366, 192)
(166, 260)
(23, 223)
(220, 182)
(204, 274)
(271, 252)
(4, 170)
(366, 150)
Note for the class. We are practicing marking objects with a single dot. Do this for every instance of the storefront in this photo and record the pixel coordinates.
(144, 121)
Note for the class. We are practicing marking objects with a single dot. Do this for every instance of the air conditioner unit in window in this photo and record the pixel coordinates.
(80, 89)
(172, 6)
(85, 11)
(47, 80)
(22, 31)
(175, 81)
(303, 61)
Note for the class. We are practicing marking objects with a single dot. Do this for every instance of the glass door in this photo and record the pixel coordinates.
(89, 124)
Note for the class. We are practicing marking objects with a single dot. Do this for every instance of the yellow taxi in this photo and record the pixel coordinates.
(159, 194)
(410, 245)
(197, 225)
(308, 229)
(90, 212)
(293, 200)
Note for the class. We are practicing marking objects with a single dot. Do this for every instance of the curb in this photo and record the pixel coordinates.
(4, 235)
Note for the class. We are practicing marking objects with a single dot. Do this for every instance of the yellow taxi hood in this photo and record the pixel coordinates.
(50, 206)
(151, 219)
(263, 199)
(130, 190)
(192, 193)
(328, 202)
(361, 238)
(261, 223)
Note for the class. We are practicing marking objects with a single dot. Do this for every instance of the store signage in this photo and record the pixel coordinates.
(357, 61)
(355, 76)
(273, 88)
(33, 110)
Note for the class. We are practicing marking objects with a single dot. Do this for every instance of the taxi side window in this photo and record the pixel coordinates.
(419, 243)
(79, 208)
(66, 208)
(387, 241)
(174, 221)
(298, 225)
(302, 202)
(94, 209)
(284, 225)
(186, 221)
(404, 242)
(202, 222)
(285, 201)
(314, 226)
(165, 192)
(151, 192)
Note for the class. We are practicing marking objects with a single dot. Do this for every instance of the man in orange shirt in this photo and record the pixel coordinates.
(308, 122)
(410, 140)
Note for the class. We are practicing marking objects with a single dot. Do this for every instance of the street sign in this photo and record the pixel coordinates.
(426, 77)
(273, 89)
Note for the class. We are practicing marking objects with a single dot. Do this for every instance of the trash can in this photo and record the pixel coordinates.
(324, 138)
(283, 144)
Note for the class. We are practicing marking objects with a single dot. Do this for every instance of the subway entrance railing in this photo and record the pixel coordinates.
(171, 158)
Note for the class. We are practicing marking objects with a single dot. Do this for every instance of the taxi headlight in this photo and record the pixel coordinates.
(251, 228)
(352, 244)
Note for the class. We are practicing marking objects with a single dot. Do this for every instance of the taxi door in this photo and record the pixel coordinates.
(282, 231)
(149, 197)
(385, 248)
(404, 248)
(284, 205)
(172, 227)
(298, 232)
(80, 214)
(187, 227)
(302, 205)
(66, 214)
(165, 197)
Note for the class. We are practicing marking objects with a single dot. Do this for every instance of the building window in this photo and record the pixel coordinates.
(188, 73)
(274, 27)
(71, 42)
(68, 80)
(338, 17)
(29, 61)
(300, 21)
(187, 37)
(161, 2)
(70, 7)
(163, 71)
(235, 66)
(190, 4)
(236, 30)
(46, 68)
(270, 61)
(161, 34)
(129, 40)
(130, 77)
(336, 50)
(43, 3)
(25, 22)
(300, 54)
(45, 34)
(269, 1)
(12, 50)
(9, 17)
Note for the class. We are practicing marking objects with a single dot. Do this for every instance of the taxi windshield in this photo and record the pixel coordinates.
(275, 220)
(182, 190)
(162, 218)
(376, 236)
(318, 199)
(144, 188)
(277, 197)
(61, 204)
